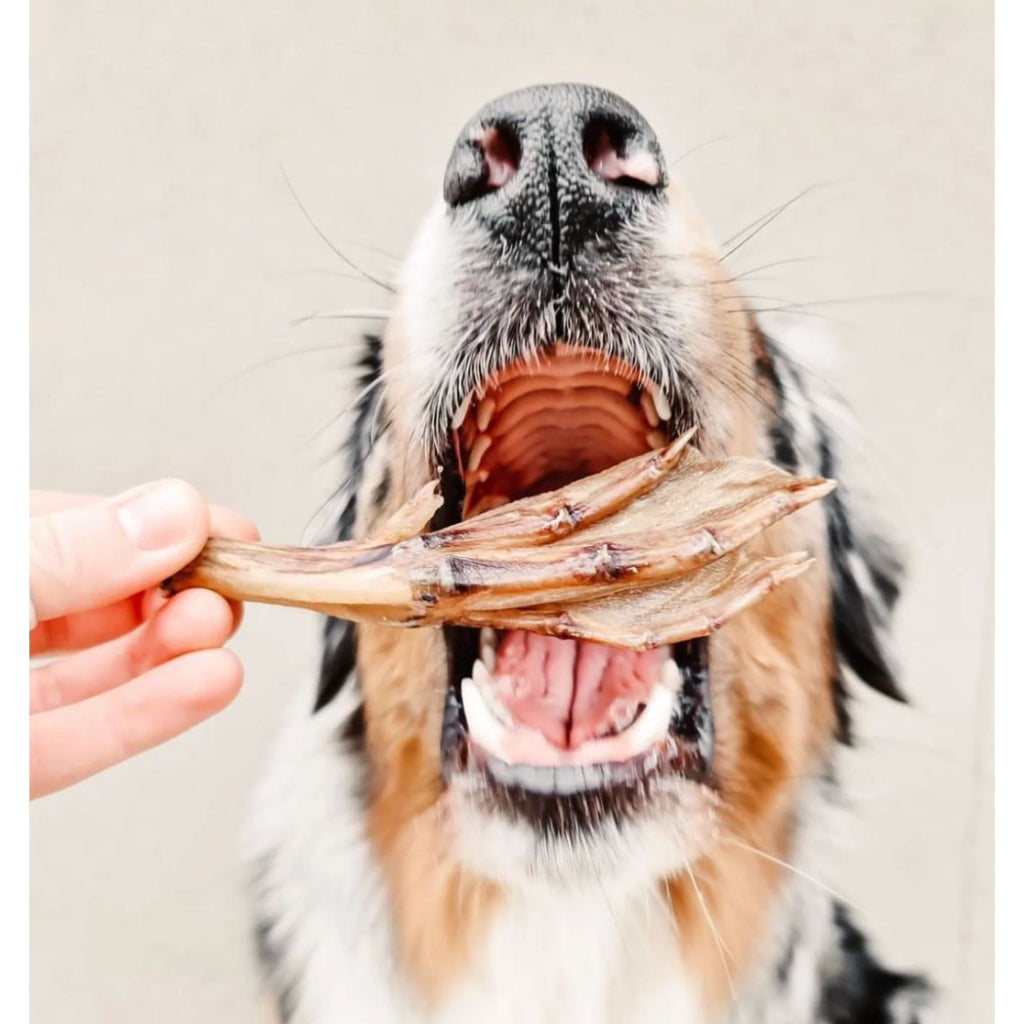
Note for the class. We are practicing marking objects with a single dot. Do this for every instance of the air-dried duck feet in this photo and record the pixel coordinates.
(601, 558)
(666, 613)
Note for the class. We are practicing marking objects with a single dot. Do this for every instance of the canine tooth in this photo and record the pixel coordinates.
(671, 676)
(592, 775)
(655, 438)
(652, 724)
(484, 412)
(481, 674)
(485, 729)
(649, 408)
(488, 645)
(661, 405)
(487, 688)
(460, 414)
(480, 446)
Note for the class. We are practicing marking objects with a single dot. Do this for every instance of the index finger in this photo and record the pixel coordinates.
(224, 522)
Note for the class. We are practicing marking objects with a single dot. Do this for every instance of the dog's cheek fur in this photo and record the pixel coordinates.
(770, 670)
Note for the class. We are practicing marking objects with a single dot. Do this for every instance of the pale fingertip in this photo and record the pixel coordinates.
(216, 680)
(193, 620)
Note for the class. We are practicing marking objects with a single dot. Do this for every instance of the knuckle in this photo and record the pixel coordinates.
(52, 550)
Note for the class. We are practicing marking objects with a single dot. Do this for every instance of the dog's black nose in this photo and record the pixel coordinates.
(554, 166)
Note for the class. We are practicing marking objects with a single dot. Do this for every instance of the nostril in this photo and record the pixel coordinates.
(482, 165)
(621, 156)
(502, 152)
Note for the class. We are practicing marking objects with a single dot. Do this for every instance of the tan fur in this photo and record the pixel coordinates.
(439, 909)
(770, 671)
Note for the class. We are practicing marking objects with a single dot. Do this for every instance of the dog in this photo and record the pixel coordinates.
(462, 825)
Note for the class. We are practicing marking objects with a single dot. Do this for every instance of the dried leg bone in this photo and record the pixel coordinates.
(573, 559)
(547, 517)
(665, 613)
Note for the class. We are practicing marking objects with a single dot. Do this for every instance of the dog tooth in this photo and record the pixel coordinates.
(484, 412)
(481, 674)
(671, 676)
(649, 408)
(591, 775)
(652, 725)
(661, 405)
(460, 415)
(480, 446)
(655, 438)
(485, 729)
(488, 646)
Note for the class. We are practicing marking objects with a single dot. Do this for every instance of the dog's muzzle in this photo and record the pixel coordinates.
(551, 168)
(562, 366)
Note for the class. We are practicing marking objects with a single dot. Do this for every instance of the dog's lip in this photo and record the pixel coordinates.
(555, 781)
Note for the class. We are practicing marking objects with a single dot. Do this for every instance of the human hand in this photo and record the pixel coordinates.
(139, 668)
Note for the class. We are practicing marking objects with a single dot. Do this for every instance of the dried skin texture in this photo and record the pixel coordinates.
(645, 553)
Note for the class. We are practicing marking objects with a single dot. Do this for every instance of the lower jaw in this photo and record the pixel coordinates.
(685, 751)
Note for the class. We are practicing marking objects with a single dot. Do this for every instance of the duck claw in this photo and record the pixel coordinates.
(647, 552)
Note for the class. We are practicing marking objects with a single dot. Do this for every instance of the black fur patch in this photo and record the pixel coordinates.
(339, 659)
(270, 960)
(862, 602)
(856, 621)
(339, 656)
(860, 990)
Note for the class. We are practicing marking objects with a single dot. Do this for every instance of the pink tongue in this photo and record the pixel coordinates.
(570, 691)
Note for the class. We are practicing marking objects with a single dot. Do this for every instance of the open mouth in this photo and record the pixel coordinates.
(539, 717)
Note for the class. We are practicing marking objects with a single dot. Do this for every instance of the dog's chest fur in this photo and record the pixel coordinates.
(603, 956)
(612, 957)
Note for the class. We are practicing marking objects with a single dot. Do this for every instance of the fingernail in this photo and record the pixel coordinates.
(158, 515)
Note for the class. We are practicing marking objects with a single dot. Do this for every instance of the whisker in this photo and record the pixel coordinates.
(753, 229)
(330, 245)
(339, 348)
(343, 314)
(697, 149)
(796, 871)
(768, 266)
(723, 949)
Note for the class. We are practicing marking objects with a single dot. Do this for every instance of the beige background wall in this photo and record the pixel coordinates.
(169, 259)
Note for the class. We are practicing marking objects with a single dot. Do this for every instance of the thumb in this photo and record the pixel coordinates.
(96, 554)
